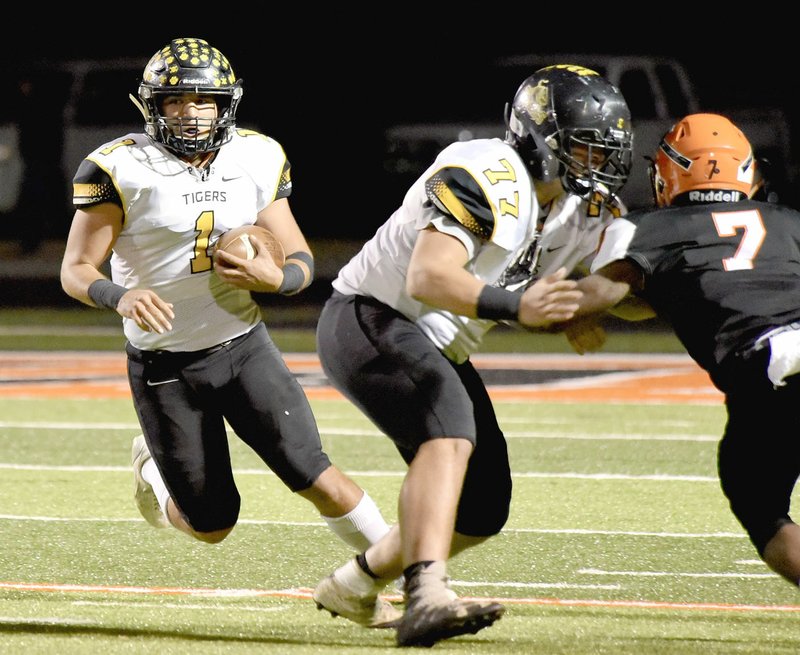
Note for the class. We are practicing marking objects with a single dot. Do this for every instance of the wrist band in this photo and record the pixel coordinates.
(307, 259)
(293, 279)
(498, 304)
(104, 293)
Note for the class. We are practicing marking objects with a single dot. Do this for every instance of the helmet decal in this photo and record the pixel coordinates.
(572, 68)
(684, 162)
(187, 54)
(746, 171)
(535, 100)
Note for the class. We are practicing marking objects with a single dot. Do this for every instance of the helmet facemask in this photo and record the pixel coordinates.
(593, 162)
(185, 135)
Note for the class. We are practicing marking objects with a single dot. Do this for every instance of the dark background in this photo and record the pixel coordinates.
(326, 86)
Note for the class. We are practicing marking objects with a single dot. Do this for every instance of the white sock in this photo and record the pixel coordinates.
(361, 527)
(352, 576)
(150, 474)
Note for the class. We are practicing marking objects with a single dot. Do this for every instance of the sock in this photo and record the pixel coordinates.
(150, 474)
(352, 576)
(361, 527)
(361, 560)
(412, 570)
(428, 583)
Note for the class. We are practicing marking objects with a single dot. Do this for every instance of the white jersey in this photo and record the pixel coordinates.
(173, 213)
(615, 244)
(481, 193)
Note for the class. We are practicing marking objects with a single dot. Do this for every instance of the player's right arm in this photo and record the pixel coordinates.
(437, 277)
(436, 274)
(621, 279)
(476, 190)
(608, 286)
(92, 235)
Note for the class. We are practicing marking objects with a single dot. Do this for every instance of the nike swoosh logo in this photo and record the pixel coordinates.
(230, 179)
(554, 248)
(155, 384)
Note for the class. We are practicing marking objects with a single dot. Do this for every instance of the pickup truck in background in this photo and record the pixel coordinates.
(407, 123)
(94, 98)
(658, 91)
(96, 108)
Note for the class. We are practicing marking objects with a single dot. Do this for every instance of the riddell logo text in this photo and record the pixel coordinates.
(715, 196)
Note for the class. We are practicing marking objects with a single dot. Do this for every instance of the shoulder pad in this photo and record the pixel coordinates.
(93, 185)
(454, 191)
(484, 185)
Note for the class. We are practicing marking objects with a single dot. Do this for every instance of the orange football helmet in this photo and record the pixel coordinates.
(705, 156)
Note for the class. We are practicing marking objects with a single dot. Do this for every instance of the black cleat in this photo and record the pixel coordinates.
(424, 626)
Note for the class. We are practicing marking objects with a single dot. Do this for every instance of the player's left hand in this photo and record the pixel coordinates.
(259, 274)
(585, 335)
(551, 299)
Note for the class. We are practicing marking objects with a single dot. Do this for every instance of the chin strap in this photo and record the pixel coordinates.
(140, 106)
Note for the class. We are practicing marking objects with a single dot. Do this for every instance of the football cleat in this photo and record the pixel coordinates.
(434, 612)
(424, 625)
(143, 492)
(371, 611)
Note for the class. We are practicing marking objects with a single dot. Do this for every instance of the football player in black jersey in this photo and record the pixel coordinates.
(723, 269)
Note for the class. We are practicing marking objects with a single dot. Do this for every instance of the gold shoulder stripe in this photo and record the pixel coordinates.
(91, 192)
(438, 188)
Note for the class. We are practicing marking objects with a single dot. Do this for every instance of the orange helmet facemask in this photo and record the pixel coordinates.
(703, 158)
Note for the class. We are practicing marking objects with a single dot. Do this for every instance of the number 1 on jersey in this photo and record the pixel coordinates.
(204, 224)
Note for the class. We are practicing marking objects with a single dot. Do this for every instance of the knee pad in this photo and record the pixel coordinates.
(483, 513)
(760, 529)
(213, 516)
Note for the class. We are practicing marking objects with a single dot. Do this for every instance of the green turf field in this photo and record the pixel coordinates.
(619, 541)
(292, 329)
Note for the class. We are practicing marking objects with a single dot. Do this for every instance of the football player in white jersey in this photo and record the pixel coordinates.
(198, 351)
(486, 234)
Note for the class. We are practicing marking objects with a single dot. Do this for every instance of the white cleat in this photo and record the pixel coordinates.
(371, 611)
(143, 492)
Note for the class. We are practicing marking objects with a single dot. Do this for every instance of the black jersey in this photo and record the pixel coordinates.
(721, 274)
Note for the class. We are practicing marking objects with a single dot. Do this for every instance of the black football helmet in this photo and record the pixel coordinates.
(563, 106)
(189, 66)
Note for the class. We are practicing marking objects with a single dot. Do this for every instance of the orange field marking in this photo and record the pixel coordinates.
(305, 593)
(655, 379)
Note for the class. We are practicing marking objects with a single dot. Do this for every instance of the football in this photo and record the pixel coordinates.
(237, 242)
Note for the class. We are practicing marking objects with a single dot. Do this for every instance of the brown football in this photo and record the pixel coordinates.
(237, 242)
